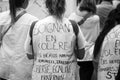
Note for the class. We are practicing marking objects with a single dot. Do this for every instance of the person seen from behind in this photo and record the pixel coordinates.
(107, 47)
(54, 41)
(85, 16)
(14, 29)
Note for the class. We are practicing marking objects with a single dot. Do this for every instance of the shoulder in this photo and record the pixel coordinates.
(94, 18)
(75, 17)
(115, 29)
(72, 15)
(30, 17)
(113, 34)
(27, 19)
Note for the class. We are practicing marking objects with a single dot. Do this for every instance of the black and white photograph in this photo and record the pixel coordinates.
(59, 39)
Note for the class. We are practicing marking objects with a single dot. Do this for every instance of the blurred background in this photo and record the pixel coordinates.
(37, 7)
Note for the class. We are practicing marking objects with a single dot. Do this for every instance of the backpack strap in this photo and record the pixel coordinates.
(76, 31)
(31, 42)
(81, 22)
(20, 15)
(31, 31)
(75, 27)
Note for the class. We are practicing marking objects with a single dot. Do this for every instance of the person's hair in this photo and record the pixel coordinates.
(99, 1)
(56, 7)
(14, 5)
(88, 5)
(112, 20)
(78, 1)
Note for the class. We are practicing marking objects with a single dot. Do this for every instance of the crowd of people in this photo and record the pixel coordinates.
(83, 46)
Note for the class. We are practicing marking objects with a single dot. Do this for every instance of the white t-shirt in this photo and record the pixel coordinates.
(109, 58)
(54, 42)
(14, 64)
(90, 29)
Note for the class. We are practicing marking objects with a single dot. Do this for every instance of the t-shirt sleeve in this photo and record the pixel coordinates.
(81, 39)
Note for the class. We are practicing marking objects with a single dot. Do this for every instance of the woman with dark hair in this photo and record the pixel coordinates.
(14, 29)
(88, 21)
(107, 48)
(53, 42)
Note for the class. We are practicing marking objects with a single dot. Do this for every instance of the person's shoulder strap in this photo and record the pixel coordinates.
(76, 31)
(75, 27)
(31, 42)
(31, 31)
(81, 22)
(20, 15)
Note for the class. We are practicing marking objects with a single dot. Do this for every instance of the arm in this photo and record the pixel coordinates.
(80, 53)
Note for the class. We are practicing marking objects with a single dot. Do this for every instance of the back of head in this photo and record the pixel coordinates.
(14, 5)
(88, 5)
(56, 7)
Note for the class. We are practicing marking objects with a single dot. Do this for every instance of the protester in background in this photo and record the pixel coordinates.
(107, 47)
(103, 10)
(86, 14)
(14, 29)
(53, 42)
